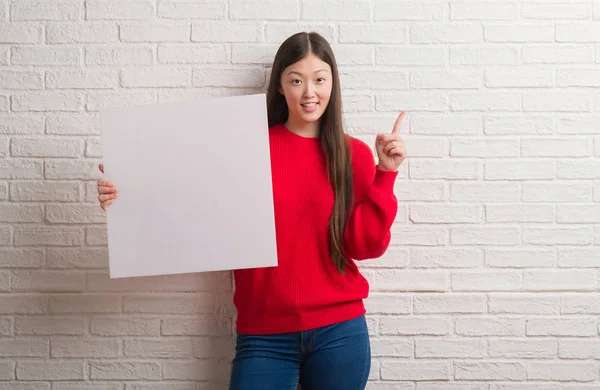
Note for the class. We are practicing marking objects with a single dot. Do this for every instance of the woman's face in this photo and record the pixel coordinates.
(307, 86)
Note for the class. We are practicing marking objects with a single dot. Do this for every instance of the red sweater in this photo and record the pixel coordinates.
(305, 290)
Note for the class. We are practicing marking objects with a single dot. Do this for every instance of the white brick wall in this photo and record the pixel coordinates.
(491, 281)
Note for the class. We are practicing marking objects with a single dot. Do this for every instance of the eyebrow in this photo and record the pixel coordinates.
(300, 74)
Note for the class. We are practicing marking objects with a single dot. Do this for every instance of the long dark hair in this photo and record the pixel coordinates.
(333, 139)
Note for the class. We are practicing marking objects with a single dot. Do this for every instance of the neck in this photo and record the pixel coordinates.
(308, 130)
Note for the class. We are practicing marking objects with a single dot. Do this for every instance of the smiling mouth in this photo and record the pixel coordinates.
(309, 105)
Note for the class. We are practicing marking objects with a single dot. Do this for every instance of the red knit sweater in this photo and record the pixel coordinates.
(305, 290)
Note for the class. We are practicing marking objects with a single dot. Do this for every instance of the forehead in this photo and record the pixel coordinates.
(308, 65)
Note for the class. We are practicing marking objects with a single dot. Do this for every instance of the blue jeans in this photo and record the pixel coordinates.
(334, 357)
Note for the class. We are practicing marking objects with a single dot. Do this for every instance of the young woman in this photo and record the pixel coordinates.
(303, 321)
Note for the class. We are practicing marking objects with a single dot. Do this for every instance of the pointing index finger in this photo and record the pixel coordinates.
(398, 122)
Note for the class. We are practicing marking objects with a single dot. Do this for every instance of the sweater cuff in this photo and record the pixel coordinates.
(385, 179)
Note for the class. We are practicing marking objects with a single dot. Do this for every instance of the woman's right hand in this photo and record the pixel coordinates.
(107, 192)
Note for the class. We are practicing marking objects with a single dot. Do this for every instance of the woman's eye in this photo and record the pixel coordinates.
(296, 81)
(320, 79)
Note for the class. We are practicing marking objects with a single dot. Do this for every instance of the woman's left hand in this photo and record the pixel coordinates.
(391, 149)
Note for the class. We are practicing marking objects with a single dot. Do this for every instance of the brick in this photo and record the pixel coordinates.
(264, 9)
(484, 192)
(578, 349)
(562, 371)
(196, 370)
(434, 124)
(483, 56)
(353, 78)
(195, 53)
(156, 77)
(485, 235)
(84, 303)
(32, 191)
(219, 77)
(557, 54)
(419, 236)
(519, 170)
(278, 32)
(16, 213)
(73, 123)
(47, 101)
(96, 236)
(5, 235)
(486, 280)
(214, 281)
(166, 385)
(414, 325)
(523, 349)
(524, 304)
(48, 281)
(387, 303)
(50, 326)
(409, 56)
(491, 147)
(86, 386)
(63, 169)
(577, 78)
(195, 327)
(192, 10)
(556, 147)
(199, 303)
(520, 33)
(155, 32)
(20, 33)
(483, 11)
(578, 214)
(508, 371)
(140, 10)
(21, 385)
(20, 304)
(125, 371)
(335, 10)
(415, 371)
(119, 55)
(168, 348)
(388, 10)
(98, 100)
(447, 79)
(46, 10)
(445, 33)
(420, 191)
(579, 303)
(90, 32)
(489, 326)
(21, 258)
(20, 124)
(558, 236)
(446, 258)
(519, 213)
(386, 34)
(530, 124)
(515, 77)
(446, 348)
(409, 100)
(21, 80)
(84, 348)
(357, 103)
(4, 54)
(253, 53)
(392, 348)
(578, 169)
(46, 147)
(546, 11)
(213, 31)
(407, 280)
(355, 55)
(50, 370)
(579, 257)
(520, 258)
(3, 191)
(429, 213)
(78, 79)
(557, 101)
(557, 192)
(579, 32)
(6, 327)
(455, 385)
(4, 281)
(578, 124)
(488, 101)
(559, 280)
(448, 303)
(127, 326)
(93, 148)
(24, 347)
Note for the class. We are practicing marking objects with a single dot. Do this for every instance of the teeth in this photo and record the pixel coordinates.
(309, 104)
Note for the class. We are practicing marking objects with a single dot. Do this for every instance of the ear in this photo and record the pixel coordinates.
(280, 90)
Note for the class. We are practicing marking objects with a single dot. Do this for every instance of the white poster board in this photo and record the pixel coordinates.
(195, 189)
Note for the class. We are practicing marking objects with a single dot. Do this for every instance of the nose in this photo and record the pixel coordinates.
(309, 91)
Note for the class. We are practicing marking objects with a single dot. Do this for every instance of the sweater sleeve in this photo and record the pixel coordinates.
(367, 234)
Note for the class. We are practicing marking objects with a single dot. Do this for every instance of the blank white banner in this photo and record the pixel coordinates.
(195, 190)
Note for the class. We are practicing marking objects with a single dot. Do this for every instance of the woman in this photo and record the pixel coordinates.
(303, 321)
